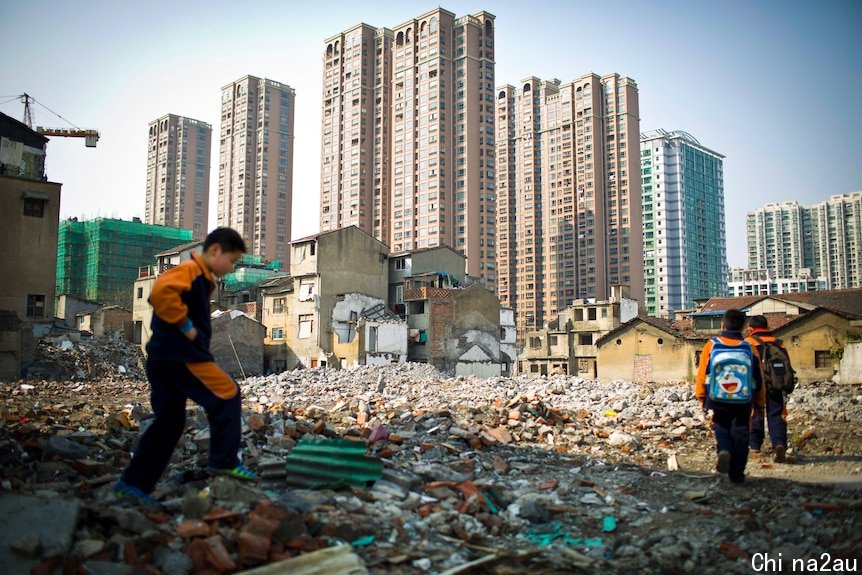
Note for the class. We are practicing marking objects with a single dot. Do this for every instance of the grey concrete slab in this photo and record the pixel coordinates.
(34, 526)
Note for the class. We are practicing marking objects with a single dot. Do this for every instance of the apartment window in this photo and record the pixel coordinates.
(140, 293)
(34, 205)
(585, 339)
(277, 333)
(535, 342)
(278, 305)
(306, 290)
(35, 305)
(822, 359)
(306, 326)
(400, 264)
(552, 340)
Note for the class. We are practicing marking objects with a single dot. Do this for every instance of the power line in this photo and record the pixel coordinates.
(55, 113)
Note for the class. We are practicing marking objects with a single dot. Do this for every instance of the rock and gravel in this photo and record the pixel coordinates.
(501, 475)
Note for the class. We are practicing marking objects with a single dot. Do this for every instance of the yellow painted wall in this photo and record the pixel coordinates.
(640, 357)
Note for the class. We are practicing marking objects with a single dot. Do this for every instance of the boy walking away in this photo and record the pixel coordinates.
(180, 366)
(779, 380)
(729, 382)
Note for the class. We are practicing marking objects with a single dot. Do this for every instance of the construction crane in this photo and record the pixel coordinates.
(90, 136)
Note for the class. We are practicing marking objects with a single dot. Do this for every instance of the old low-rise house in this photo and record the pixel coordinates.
(445, 265)
(29, 226)
(276, 296)
(815, 327)
(816, 342)
(142, 311)
(567, 345)
(648, 349)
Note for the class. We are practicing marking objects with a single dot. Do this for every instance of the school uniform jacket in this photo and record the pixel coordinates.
(700, 386)
(180, 294)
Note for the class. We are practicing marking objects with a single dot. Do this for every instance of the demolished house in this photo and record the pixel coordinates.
(105, 320)
(237, 343)
(365, 332)
(324, 267)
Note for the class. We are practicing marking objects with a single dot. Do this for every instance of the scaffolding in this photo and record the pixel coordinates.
(99, 259)
(250, 271)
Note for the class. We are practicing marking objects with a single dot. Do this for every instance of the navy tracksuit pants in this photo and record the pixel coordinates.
(774, 416)
(730, 423)
(172, 383)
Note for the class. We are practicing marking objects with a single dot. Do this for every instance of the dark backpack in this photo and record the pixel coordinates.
(778, 374)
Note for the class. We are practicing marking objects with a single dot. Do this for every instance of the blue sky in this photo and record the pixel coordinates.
(774, 86)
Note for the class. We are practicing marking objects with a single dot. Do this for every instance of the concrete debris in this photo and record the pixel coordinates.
(501, 475)
(76, 358)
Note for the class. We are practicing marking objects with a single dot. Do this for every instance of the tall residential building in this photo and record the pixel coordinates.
(825, 238)
(255, 182)
(408, 135)
(775, 236)
(178, 174)
(684, 242)
(744, 282)
(569, 183)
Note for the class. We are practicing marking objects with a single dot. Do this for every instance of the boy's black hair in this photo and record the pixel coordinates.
(227, 238)
(758, 322)
(733, 320)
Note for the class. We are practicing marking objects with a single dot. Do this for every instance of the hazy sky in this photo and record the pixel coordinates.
(764, 83)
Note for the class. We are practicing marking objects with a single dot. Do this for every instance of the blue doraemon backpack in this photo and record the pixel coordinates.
(730, 372)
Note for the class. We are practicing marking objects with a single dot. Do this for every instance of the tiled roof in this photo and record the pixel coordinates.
(796, 319)
(664, 325)
(844, 300)
(726, 303)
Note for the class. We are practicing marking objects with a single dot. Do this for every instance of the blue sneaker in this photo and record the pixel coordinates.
(123, 490)
(239, 472)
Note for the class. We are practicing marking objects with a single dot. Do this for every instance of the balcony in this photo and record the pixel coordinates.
(418, 294)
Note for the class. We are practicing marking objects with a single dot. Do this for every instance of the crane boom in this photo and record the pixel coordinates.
(90, 136)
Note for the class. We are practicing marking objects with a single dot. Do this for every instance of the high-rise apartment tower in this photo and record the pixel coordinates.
(255, 187)
(684, 242)
(407, 151)
(825, 239)
(569, 194)
(178, 174)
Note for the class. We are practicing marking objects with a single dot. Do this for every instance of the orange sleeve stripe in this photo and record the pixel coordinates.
(700, 381)
(165, 298)
(214, 378)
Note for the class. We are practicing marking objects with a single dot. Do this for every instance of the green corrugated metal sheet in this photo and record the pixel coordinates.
(322, 462)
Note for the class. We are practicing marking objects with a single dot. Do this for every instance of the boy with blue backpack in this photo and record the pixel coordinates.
(729, 382)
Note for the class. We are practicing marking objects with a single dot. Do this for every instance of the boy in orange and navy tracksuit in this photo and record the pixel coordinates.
(180, 366)
(776, 405)
(730, 421)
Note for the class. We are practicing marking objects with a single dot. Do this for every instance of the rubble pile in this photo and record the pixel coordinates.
(504, 475)
(75, 358)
